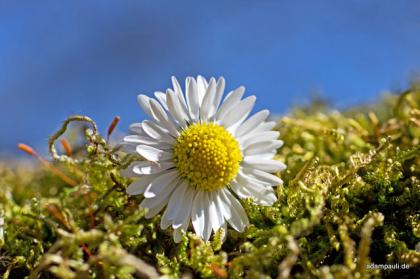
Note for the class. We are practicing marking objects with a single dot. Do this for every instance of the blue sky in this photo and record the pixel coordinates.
(61, 58)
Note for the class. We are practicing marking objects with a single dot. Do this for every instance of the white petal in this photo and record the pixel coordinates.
(264, 165)
(246, 178)
(156, 132)
(153, 154)
(142, 168)
(261, 195)
(221, 206)
(250, 185)
(201, 88)
(178, 232)
(215, 213)
(240, 190)
(176, 109)
(146, 167)
(264, 176)
(177, 235)
(176, 202)
(262, 147)
(197, 214)
(163, 118)
(139, 186)
(225, 231)
(220, 88)
(266, 199)
(157, 203)
(251, 182)
(164, 182)
(128, 172)
(240, 112)
(162, 98)
(152, 130)
(146, 140)
(252, 123)
(192, 98)
(128, 147)
(186, 223)
(144, 103)
(185, 211)
(239, 219)
(208, 220)
(247, 140)
(207, 104)
(164, 221)
(231, 101)
(176, 86)
(137, 128)
(266, 126)
(179, 94)
(139, 139)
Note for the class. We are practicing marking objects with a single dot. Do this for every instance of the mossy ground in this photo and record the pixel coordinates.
(350, 198)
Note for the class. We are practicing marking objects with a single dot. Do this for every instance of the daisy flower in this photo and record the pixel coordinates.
(201, 155)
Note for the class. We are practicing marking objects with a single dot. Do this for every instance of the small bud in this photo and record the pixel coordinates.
(373, 118)
(56, 212)
(27, 149)
(67, 147)
(218, 271)
(113, 124)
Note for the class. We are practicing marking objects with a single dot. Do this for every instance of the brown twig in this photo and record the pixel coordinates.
(29, 150)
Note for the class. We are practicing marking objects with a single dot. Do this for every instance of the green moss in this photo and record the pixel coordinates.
(350, 198)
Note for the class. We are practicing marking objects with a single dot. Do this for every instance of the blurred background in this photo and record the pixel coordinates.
(61, 58)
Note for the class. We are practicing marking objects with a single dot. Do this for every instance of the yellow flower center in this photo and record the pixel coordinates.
(207, 156)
